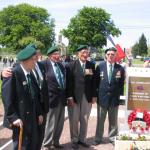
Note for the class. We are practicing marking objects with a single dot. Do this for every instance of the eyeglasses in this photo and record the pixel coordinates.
(110, 54)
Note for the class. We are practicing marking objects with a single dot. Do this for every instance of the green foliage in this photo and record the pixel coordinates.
(140, 48)
(22, 23)
(143, 45)
(135, 50)
(89, 27)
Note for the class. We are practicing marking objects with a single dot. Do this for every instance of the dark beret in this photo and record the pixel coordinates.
(52, 50)
(110, 49)
(81, 47)
(32, 45)
(26, 53)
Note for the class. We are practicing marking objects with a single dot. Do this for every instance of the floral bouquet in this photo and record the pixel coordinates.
(139, 121)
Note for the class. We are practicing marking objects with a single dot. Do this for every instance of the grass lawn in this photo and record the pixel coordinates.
(137, 61)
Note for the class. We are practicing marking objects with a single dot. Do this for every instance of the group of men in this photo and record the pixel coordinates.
(35, 94)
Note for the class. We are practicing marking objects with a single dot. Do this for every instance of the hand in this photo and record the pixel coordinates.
(7, 72)
(71, 102)
(40, 119)
(18, 123)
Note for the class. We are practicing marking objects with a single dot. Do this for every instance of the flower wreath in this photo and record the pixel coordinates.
(146, 118)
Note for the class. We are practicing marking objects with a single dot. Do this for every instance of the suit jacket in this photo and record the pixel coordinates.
(56, 94)
(44, 99)
(79, 83)
(109, 93)
(17, 100)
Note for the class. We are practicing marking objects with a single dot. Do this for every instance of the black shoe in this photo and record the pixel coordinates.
(58, 146)
(96, 143)
(83, 144)
(112, 142)
(75, 145)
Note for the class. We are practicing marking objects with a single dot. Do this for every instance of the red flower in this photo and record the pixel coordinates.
(146, 118)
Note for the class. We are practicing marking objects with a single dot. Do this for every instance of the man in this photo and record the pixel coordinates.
(110, 83)
(39, 77)
(81, 94)
(55, 73)
(21, 102)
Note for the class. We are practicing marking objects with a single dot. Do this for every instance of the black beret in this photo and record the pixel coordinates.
(81, 47)
(52, 50)
(110, 49)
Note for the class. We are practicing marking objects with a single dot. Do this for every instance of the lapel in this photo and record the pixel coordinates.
(51, 71)
(105, 72)
(22, 79)
(63, 71)
(114, 71)
(79, 68)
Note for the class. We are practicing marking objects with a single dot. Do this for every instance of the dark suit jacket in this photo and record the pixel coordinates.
(78, 83)
(56, 94)
(16, 98)
(109, 93)
(44, 99)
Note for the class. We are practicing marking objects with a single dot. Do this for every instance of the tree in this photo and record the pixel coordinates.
(90, 26)
(143, 49)
(140, 48)
(135, 50)
(25, 22)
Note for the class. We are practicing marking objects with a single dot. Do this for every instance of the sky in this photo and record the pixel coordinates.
(132, 17)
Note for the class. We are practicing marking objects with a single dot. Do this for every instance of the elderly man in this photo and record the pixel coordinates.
(81, 93)
(55, 73)
(39, 77)
(110, 84)
(21, 101)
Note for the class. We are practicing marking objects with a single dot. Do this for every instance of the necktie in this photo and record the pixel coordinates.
(59, 77)
(110, 72)
(83, 67)
(31, 89)
(37, 77)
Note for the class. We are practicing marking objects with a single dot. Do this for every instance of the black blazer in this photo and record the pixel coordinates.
(16, 98)
(109, 93)
(56, 94)
(44, 100)
(79, 83)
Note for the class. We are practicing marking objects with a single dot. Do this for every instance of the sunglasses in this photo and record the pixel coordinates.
(110, 54)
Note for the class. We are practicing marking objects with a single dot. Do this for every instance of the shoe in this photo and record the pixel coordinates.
(83, 144)
(58, 146)
(96, 143)
(75, 145)
(112, 142)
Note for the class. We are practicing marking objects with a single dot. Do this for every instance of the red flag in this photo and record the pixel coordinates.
(120, 53)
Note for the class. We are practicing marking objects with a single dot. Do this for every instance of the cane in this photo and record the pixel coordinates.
(20, 138)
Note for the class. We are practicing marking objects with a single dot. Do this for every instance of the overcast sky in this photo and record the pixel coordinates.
(132, 17)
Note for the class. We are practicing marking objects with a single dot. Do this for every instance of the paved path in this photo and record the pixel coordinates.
(65, 138)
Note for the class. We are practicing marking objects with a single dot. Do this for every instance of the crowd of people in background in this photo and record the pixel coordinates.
(39, 89)
(7, 61)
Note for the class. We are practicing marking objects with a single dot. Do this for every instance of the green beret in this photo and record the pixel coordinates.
(110, 49)
(26, 53)
(32, 45)
(52, 50)
(81, 47)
